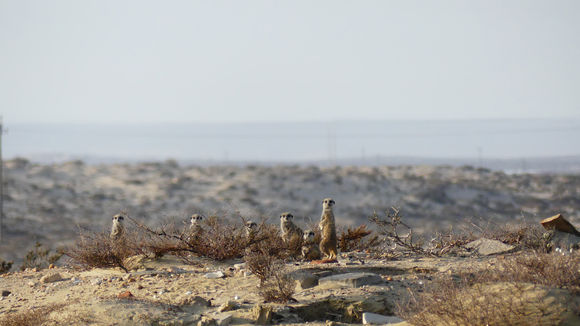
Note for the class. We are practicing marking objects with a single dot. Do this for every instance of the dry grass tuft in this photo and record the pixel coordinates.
(37, 316)
(40, 257)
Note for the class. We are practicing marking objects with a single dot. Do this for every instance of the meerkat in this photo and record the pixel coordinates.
(195, 225)
(118, 229)
(251, 229)
(310, 250)
(289, 229)
(328, 230)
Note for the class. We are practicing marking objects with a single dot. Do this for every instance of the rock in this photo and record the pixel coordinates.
(214, 275)
(206, 321)
(370, 318)
(304, 280)
(230, 305)
(262, 314)
(352, 280)
(223, 319)
(125, 295)
(196, 301)
(50, 278)
(175, 270)
(5, 293)
(563, 240)
(51, 266)
(134, 263)
(559, 223)
(488, 247)
(239, 266)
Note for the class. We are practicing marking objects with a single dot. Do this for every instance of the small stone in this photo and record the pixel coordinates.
(50, 278)
(262, 314)
(240, 266)
(488, 247)
(223, 319)
(125, 295)
(214, 275)
(5, 293)
(206, 321)
(370, 318)
(230, 305)
(51, 266)
(31, 283)
(389, 279)
(304, 280)
(96, 281)
(139, 287)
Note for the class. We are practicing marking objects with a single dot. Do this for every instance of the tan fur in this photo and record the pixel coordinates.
(310, 249)
(289, 230)
(118, 229)
(195, 225)
(327, 226)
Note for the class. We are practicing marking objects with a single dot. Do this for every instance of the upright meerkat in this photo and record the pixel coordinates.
(310, 250)
(251, 229)
(328, 230)
(289, 229)
(195, 225)
(118, 229)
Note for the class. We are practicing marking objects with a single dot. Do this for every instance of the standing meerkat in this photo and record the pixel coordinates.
(310, 250)
(328, 230)
(289, 230)
(195, 225)
(251, 229)
(118, 228)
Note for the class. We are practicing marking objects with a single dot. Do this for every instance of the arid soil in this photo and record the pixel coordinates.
(49, 202)
(168, 292)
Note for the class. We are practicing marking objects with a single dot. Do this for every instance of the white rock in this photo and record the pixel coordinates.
(370, 318)
(239, 266)
(218, 274)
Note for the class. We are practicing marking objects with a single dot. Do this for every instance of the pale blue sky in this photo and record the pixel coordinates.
(197, 61)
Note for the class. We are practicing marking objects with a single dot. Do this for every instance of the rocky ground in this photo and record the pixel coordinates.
(167, 292)
(49, 202)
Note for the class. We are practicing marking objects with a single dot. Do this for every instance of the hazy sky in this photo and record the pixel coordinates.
(196, 61)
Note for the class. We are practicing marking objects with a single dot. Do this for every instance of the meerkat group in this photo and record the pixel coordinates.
(290, 232)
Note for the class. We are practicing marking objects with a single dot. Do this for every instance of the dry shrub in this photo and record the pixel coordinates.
(40, 257)
(275, 284)
(522, 235)
(458, 303)
(354, 239)
(390, 225)
(37, 316)
(5, 266)
(553, 270)
(446, 242)
(98, 250)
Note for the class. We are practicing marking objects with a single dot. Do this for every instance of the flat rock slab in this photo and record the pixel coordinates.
(488, 247)
(559, 223)
(369, 318)
(352, 280)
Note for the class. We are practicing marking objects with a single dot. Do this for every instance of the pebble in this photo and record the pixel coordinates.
(125, 295)
(50, 278)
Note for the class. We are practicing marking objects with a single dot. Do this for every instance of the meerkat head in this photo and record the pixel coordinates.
(327, 203)
(119, 217)
(309, 236)
(286, 217)
(250, 225)
(196, 218)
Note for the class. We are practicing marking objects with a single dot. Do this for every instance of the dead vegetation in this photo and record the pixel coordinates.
(98, 250)
(37, 316)
(512, 293)
(5, 266)
(355, 239)
(40, 257)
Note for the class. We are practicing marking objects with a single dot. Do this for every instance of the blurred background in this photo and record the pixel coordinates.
(450, 110)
